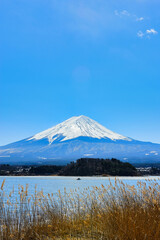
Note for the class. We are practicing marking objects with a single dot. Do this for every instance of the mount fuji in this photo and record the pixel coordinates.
(75, 138)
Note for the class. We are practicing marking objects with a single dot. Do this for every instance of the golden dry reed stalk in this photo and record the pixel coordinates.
(113, 212)
(2, 185)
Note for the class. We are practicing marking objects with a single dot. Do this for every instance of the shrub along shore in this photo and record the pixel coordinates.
(113, 212)
(82, 167)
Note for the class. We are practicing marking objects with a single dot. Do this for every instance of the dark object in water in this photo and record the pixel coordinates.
(78, 179)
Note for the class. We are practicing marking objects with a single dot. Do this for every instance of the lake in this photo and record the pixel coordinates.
(51, 184)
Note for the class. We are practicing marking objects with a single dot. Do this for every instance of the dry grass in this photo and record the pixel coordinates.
(114, 212)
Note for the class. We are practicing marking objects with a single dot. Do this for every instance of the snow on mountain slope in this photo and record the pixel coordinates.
(87, 138)
(75, 127)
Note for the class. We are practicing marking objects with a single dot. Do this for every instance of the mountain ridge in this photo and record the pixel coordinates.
(75, 138)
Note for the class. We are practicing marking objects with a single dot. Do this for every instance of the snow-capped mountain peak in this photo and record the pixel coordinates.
(75, 127)
(75, 138)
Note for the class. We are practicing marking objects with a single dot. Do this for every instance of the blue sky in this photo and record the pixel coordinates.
(61, 58)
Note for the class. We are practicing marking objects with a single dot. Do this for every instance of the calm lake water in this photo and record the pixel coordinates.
(53, 184)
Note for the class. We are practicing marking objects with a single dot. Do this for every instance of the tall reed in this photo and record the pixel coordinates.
(114, 212)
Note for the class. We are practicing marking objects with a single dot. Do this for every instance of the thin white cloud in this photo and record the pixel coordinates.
(151, 31)
(125, 13)
(147, 33)
(140, 34)
(122, 13)
(140, 19)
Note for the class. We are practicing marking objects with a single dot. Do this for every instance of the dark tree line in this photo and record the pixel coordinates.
(82, 167)
(93, 166)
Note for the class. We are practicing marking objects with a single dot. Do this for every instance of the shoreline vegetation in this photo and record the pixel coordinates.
(82, 167)
(113, 212)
